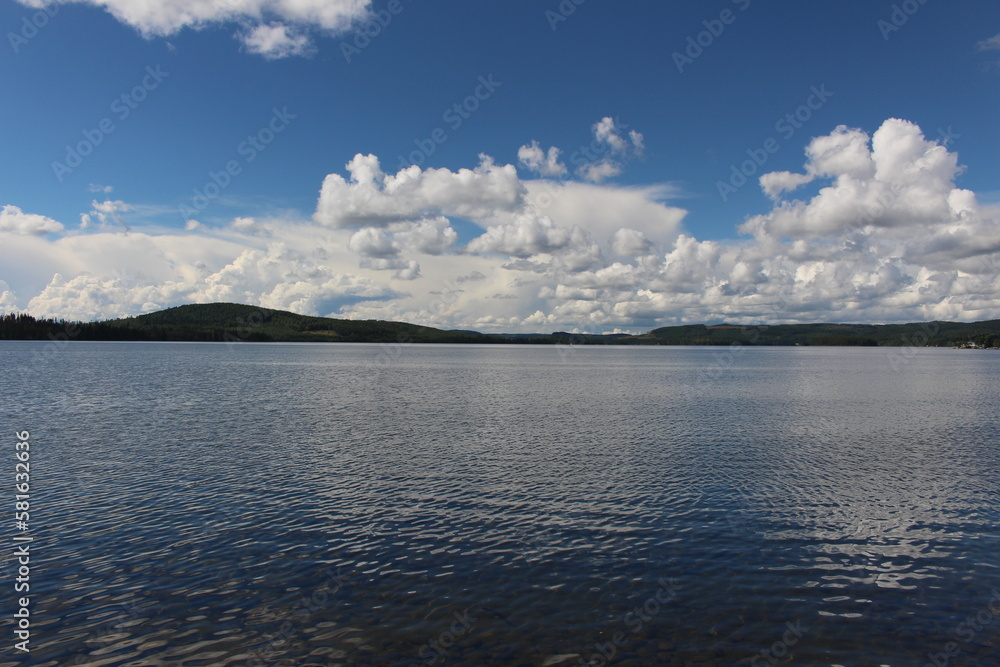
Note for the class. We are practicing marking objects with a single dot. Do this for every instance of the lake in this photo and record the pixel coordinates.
(338, 504)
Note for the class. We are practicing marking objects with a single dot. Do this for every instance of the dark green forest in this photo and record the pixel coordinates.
(228, 322)
(919, 334)
(231, 322)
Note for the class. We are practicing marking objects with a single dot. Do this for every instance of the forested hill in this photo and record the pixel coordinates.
(919, 334)
(231, 322)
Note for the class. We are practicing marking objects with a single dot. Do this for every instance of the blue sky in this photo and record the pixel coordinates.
(672, 135)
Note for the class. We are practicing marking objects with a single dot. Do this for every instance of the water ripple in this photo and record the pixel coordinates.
(220, 505)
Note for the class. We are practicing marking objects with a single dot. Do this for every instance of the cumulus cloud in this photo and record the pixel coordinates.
(246, 225)
(542, 163)
(610, 150)
(282, 277)
(602, 211)
(777, 183)
(8, 300)
(275, 40)
(527, 235)
(606, 132)
(373, 243)
(402, 269)
(272, 28)
(893, 179)
(883, 234)
(104, 275)
(370, 197)
(599, 171)
(630, 242)
(429, 237)
(889, 237)
(603, 158)
(382, 249)
(16, 221)
(844, 152)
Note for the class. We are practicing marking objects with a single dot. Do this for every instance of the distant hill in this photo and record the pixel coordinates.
(251, 323)
(917, 334)
(233, 322)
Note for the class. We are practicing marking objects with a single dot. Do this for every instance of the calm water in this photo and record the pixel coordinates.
(197, 504)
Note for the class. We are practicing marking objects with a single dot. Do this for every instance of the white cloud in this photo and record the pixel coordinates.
(606, 132)
(14, 220)
(247, 225)
(429, 237)
(166, 270)
(601, 210)
(372, 242)
(630, 243)
(544, 164)
(884, 235)
(372, 198)
(106, 214)
(991, 44)
(777, 183)
(844, 152)
(382, 249)
(603, 158)
(8, 300)
(638, 141)
(612, 150)
(901, 180)
(597, 172)
(525, 236)
(272, 28)
(275, 40)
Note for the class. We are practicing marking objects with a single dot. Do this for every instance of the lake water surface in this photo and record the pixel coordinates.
(314, 504)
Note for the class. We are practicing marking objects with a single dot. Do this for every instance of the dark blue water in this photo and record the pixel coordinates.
(199, 504)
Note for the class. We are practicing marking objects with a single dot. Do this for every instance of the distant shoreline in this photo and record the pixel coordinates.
(501, 343)
(234, 323)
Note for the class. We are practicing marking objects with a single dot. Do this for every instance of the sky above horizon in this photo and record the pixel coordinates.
(527, 165)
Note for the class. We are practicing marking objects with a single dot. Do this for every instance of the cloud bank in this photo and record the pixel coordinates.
(882, 234)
